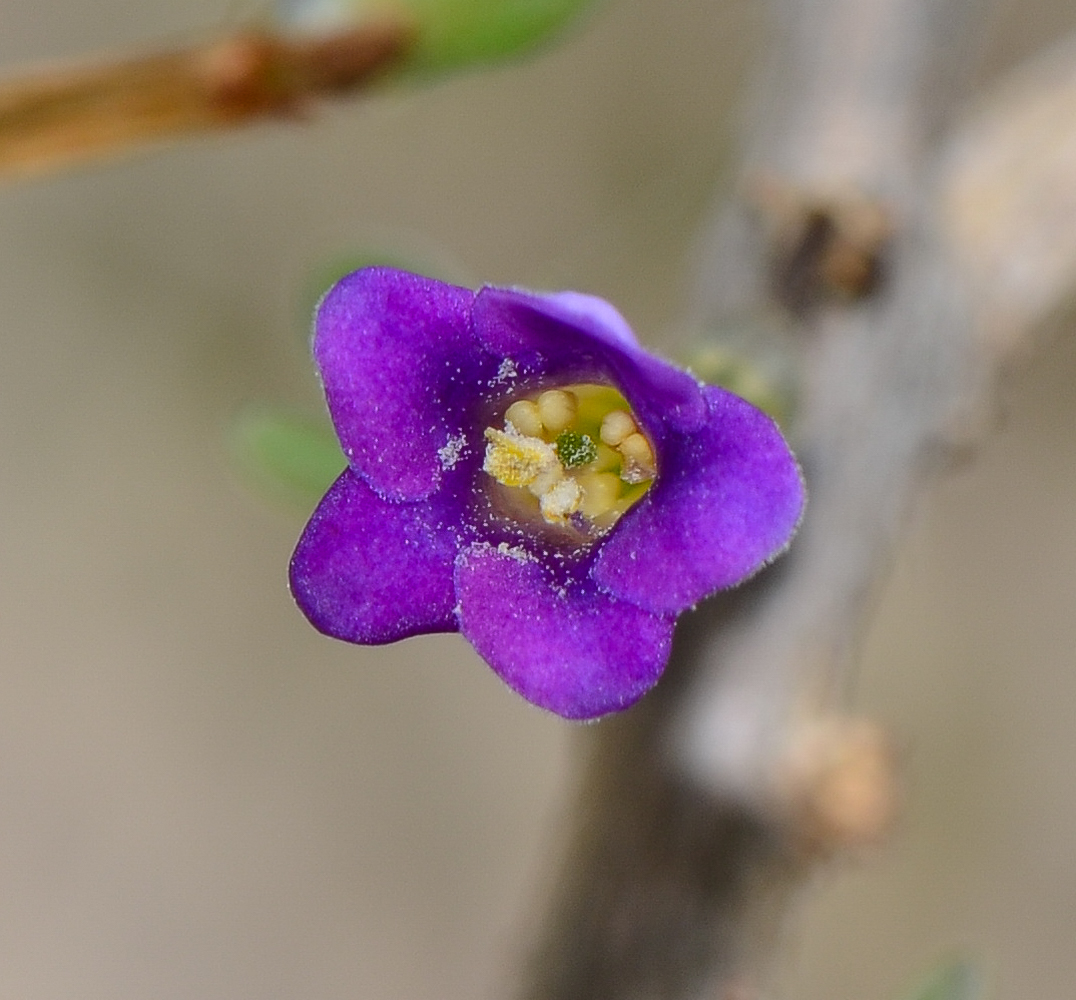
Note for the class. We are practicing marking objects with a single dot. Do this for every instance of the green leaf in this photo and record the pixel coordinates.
(290, 458)
(449, 34)
(957, 979)
(456, 33)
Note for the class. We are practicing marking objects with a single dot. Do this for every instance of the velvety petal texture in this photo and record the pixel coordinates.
(372, 571)
(394, 351)
(580, 333)
(563, 646)
(729, 501)
(410, 540)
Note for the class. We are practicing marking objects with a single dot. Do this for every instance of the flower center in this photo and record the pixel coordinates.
(574, 456)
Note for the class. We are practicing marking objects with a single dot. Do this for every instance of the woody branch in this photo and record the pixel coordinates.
(900, 255)
(59, 118)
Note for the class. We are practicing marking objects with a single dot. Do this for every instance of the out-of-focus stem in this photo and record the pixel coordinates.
(60, 118)
(704, 808)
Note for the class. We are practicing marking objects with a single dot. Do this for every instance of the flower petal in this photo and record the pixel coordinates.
(373, 571)
(727, 500)
(580, 335)
(560, 643)
(399, 362)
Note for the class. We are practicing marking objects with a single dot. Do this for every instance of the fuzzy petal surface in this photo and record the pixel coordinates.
(399, 361)
(560, 643)
(370, 570)
(582, 337)
(727, 501)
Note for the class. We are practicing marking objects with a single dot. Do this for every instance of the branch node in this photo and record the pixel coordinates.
(839, 785)
(824, 244)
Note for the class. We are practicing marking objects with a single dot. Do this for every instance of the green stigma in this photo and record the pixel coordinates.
(575, 449)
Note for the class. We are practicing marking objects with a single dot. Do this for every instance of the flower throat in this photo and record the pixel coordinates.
(572, 457)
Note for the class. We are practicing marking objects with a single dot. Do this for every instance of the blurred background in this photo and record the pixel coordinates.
(202, 797)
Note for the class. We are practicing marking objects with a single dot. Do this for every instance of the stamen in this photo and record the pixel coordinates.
(616, 426)
(516, 460)
(578, 451)
(546, 480)
(638, 459)
(523, 416)
(560, 501)
(557, 409)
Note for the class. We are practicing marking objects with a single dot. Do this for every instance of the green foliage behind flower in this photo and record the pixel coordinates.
(287, 457)
(954, 980)
(450, 34)
(456, 33)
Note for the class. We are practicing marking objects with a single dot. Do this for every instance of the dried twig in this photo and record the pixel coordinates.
(56, 119)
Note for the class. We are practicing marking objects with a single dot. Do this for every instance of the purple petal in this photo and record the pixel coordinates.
(726, 501)
(560, 643)
(585, 312)
(372, 571)
(399, 362)
(582, 337)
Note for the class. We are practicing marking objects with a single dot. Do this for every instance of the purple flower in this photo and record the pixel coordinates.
(521, 471)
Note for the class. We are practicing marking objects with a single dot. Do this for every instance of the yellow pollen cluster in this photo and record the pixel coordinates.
(576, 450)
(516, 460)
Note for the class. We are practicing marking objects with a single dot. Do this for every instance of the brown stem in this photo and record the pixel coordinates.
(703, 808)
(58, 119)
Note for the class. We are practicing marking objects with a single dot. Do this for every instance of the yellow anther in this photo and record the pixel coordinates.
(515, 460)
(560, 501)
(542, 450)
(549, 477)
(557, 409)
(617, 425)
(601, 490)
(524, 417)
(638, 459)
